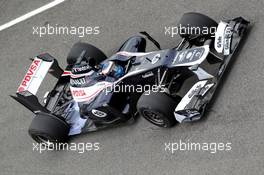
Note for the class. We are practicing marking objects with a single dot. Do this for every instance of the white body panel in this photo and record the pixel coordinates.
(34, 76)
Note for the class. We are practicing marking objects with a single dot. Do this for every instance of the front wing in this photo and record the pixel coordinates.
(192, 105)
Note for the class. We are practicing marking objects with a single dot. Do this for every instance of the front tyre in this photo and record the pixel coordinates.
(158, 108)
(193, 24)
(48, 129)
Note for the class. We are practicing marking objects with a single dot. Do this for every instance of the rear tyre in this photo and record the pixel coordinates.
(158, 108)
(134, 44)
(91, 52)
(46, 129)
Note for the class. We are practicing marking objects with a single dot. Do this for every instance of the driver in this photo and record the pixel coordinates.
(112, 69)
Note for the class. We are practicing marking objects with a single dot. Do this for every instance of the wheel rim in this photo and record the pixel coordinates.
(153, 117)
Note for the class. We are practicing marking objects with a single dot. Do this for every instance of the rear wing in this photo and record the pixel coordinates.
(40, 66)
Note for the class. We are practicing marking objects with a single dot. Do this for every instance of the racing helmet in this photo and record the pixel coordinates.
(110, 68)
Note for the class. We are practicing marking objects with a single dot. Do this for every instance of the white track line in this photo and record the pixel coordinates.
(30, 14)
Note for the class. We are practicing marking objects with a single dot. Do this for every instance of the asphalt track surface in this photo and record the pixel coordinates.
(236, 115)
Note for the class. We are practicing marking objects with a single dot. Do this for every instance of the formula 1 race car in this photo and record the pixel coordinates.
(164, 86)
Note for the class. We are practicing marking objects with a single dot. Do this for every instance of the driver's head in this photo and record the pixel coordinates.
(112, 69)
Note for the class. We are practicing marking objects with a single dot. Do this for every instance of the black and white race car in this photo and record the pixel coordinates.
(95, 91)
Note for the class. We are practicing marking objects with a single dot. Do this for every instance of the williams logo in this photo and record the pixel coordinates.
(98, 113)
